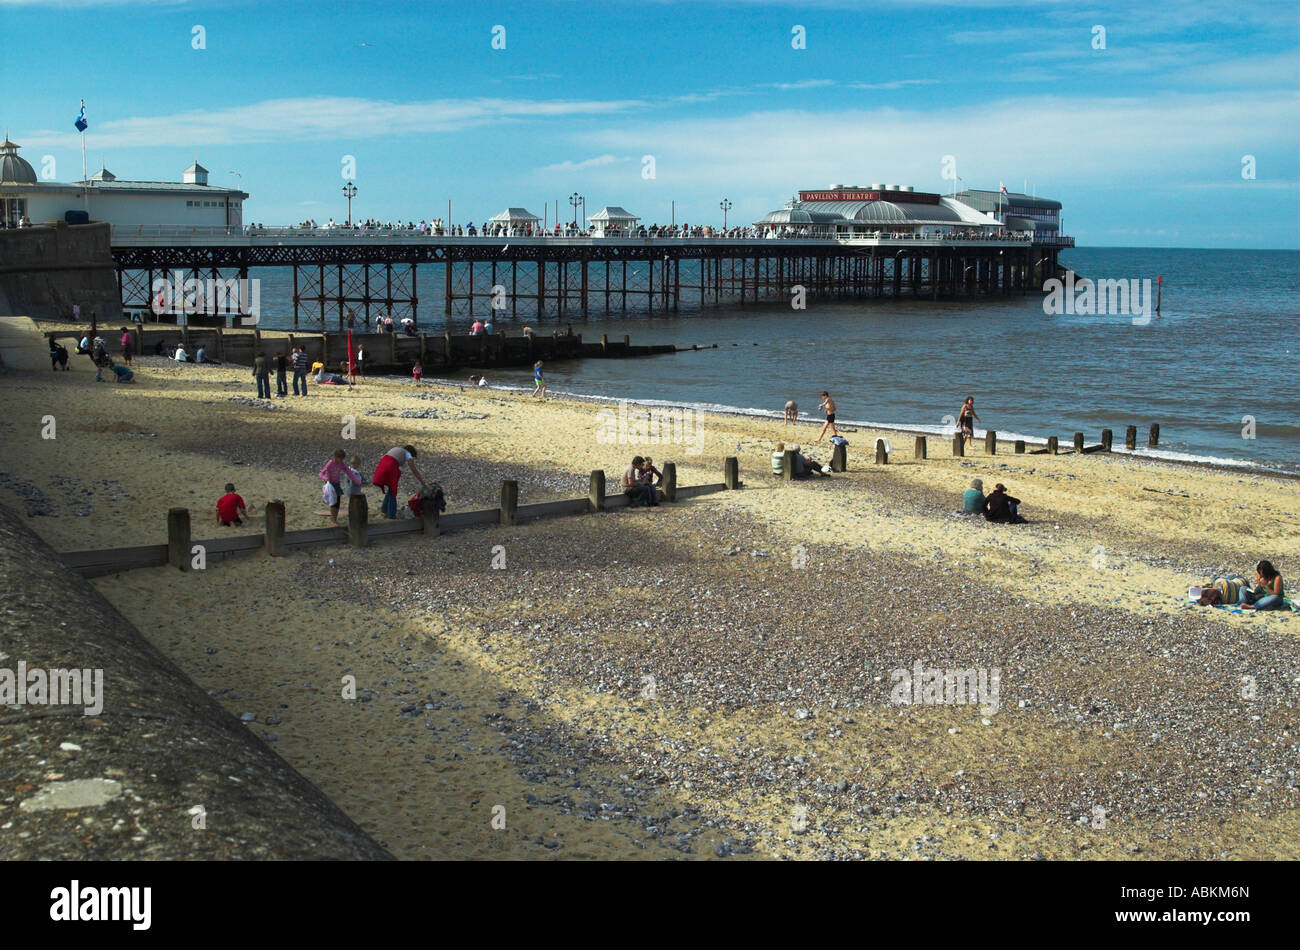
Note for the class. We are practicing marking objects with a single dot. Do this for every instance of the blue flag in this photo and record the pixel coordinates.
(81, 122)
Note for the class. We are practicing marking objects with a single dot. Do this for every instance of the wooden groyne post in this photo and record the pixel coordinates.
(991, 442)
(1131, 438)
(178, 538)
(1051, 445)
(731, 473)
(275, 528)
(840, 458)
(920, 451)
(882, 453)
(1020, 446)
(669, 481)
(1106, 437)
(1153, 435)
(787, 465)
(509, 501)
(358, 521)
(958, 445)
(596, 497)
(1078, 442)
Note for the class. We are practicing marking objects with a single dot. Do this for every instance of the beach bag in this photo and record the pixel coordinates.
(329, 494)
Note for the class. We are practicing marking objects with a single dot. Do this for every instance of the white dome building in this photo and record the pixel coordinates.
(191, 202)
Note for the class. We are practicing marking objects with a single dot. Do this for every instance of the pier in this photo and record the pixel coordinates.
(339, 274)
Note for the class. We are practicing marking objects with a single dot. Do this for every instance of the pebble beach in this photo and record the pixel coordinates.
(711, 679)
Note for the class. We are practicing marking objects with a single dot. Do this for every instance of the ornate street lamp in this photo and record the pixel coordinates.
(349, 190)
(726, 206)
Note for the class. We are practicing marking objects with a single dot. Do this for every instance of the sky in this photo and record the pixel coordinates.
(1167, 123)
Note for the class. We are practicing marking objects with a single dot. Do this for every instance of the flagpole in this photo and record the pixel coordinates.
(85, 178)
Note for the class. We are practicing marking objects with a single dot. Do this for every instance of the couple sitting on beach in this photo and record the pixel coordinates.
(639, 483)
(803, 465)
(1267, 594)
(997, 506)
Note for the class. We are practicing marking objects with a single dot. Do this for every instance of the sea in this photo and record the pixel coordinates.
(1218, 367)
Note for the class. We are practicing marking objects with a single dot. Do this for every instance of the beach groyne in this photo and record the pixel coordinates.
(384, 352)
(129, 758)
(47, 270)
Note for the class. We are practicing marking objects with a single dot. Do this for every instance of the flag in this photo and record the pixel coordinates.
(81, 122)
(1003, 188)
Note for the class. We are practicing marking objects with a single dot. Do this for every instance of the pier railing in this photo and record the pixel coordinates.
(147, 235)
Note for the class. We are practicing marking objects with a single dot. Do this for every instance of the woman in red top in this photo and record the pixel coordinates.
(389, 471)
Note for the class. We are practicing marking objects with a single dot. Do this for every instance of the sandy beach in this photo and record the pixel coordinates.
(707, 679)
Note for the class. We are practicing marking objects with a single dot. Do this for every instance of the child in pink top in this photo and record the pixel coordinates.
(334, 472)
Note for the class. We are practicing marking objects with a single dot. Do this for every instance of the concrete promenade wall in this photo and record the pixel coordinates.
(45, 270)
(129, 776)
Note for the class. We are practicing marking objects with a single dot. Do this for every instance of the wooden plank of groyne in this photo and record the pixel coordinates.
(693, 491)
(466, 519)
(315, 536)
(551, 509)
(385, 528)
(112, 560)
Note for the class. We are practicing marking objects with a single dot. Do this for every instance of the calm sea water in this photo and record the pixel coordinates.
(1220, 361)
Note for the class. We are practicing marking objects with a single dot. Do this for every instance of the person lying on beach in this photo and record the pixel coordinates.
(330, 379)
(229, 507)
(1001, 507)
(791, 412)
(972, 502)
(336, 473)
(637, 485)
(58, 355)
(1268, 593)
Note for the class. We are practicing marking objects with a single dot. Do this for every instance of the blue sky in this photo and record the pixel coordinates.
(1143, 141)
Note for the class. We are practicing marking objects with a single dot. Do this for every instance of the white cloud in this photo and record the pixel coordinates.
(1055, 141)
(572, 166)
(320, 118)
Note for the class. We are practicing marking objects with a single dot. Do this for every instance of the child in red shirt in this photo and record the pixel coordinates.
(416, 372)
(229, 507)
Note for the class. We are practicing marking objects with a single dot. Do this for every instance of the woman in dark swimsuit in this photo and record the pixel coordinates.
(966, 418)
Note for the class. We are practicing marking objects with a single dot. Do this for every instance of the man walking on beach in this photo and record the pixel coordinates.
(281, 368)
(262, 376)
(828, 404)
(300, 365)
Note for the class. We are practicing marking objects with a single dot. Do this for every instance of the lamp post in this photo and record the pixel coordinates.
(349, 191)
(726, 206)
(575, 199)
